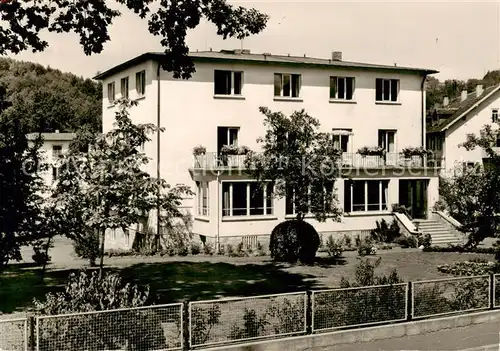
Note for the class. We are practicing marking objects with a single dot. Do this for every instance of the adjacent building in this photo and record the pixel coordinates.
(53, 147)
(448, 126)
(359, 104)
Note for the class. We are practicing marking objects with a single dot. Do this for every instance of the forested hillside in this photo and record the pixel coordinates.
(452, 88)
(47, 99)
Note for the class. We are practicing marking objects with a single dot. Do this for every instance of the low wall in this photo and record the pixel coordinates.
(327, 341)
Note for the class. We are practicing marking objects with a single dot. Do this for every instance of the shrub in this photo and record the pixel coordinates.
(424, 240)
(109, 331)
(366, 247)
(87, 246)
(183, 250)
(347, 241)
(208, 249)
(222, 250)
(469, 268)
(357, 241)
(261, 251)
(240, 252)
(229, 250)
(40, 257)
(334, 247)
(407, 241)
(195, 248)
(294, 240)
(386, 233)
(461, 249)
(203, 321)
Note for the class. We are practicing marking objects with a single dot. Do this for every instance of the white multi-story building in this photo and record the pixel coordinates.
(448, 126)
(53, 147)
(360, 104)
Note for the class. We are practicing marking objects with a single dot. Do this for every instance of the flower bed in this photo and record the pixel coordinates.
(469, 268)
(460, 249)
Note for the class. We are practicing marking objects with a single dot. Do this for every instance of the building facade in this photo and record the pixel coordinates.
(359, 104)
(53, 147)
(449, 125)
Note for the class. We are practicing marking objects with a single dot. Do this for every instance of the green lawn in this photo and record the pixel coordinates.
(175, 279)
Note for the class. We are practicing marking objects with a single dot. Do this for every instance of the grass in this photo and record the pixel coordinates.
(201, 277)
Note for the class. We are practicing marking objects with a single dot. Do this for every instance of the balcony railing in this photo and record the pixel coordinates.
(215, 161)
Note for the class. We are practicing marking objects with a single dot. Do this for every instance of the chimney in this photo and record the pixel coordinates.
(463, 96)
(337, 56)
(446, 101)
(479, 90)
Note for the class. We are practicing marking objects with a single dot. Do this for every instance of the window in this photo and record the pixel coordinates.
(494, 115)
(111, 92)
(386, 89)
(124, 87)
(140, 83)
(202, 198)
(227, 82)
(312, 203)
(341, 88)
(365, 195)
(56, 151)
(286, 85)
(387, 140)
(55, 173)
(341, 139)
(227, 136)
(246, 199)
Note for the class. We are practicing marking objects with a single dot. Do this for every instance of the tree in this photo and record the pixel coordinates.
(302, 163)
(24, 20)
(106, 187)
(474, 196)
(20, 187)
(46, 99)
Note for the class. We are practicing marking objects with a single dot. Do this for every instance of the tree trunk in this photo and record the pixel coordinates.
(101, 253)
(45, 261)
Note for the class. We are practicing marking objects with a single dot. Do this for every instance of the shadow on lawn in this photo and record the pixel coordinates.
(181, 281)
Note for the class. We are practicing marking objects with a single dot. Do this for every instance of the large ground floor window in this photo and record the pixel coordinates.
(313, 203)
(365, 195)
(246, 199)
(202, 198)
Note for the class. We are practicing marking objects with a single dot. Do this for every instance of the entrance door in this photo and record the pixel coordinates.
(413, 195)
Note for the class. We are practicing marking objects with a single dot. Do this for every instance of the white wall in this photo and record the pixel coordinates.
(46, 153)
(457, 134)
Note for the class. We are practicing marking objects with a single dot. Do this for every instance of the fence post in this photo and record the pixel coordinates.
(186, 323)
(492, 291)
(31, 340)
(409, 302)
(309, 312)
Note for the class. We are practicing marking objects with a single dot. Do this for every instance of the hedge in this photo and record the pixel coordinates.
(460, 249)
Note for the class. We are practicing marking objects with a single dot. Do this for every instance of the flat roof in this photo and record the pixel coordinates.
(53, 136)
(264, 58)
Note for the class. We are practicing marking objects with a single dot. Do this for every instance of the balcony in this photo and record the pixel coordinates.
(215, 161)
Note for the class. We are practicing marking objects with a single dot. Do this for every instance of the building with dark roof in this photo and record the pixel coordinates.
(364, 106)
(449, 124)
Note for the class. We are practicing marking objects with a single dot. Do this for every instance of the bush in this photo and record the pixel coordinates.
(407, 241)
(260, 250)
(208, 249)
(424, 240)
(183, 250)
(195, 248)
(222, 250)
(347, 241)
(461, 249)
(366, 247)
(386, 233)
(469, 268)
(230, 250)
(293, 241)
(40, 257)
(334, 247)
(87, 246)
(110, 331)
(240, 252)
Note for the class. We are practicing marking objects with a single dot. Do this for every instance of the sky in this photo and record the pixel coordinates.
(460, 39)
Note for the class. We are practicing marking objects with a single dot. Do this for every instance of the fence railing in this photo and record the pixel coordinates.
(144, 328)
(214, 161)
(444, 296)
(242, 319)
(334, 308)
(14, 334)
(198, 324)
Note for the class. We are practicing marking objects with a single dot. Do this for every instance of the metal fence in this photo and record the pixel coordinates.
(237, 319)
(358, 306)
(496, 291)
(144, 328)
(14, 334)
(445, 296)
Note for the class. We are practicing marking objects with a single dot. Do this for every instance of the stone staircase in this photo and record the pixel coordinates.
(441, 236)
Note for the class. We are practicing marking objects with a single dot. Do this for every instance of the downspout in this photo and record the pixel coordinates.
(158, 150)
(217, 238)
(423, 110)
